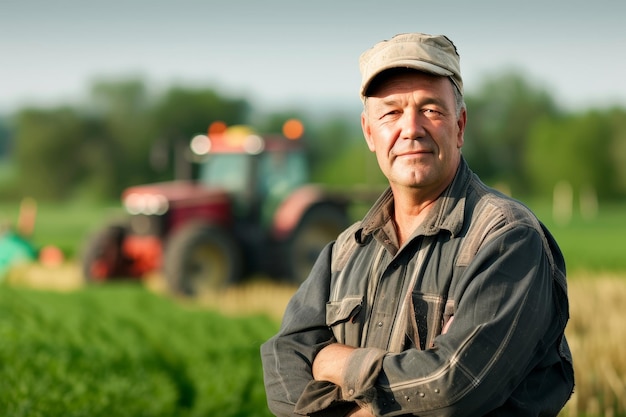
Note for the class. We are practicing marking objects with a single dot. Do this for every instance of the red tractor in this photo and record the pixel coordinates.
(252, 211)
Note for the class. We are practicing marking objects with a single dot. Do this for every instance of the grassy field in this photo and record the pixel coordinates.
(120, 350)
(592, 245)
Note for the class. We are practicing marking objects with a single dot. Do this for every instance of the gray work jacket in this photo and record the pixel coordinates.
(466, 319)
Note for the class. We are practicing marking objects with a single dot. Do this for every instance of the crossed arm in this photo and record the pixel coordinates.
(329, 365)
(305, 332)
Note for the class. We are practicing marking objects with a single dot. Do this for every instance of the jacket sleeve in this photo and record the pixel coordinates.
(506, 319)
(287, 357)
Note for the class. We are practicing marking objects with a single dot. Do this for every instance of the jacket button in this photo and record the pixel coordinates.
(379, 324)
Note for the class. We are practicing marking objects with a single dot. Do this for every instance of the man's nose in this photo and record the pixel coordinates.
(412, 125)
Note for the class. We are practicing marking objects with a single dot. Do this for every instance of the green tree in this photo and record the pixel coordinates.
(500, 117)
(123, 136)
(182, 113)
(343, 156)
(48, 144)
(576, 149)
(185, 111)
(617, 149)
(123, 132)
(102, 157)
(5, 138)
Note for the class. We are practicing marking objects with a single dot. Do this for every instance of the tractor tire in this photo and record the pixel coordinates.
(102, 258)
(320, 225)
(200, 259)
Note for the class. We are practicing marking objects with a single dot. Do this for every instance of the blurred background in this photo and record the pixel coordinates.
(96, 97)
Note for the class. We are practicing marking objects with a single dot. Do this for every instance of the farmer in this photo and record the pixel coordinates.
(448, 298)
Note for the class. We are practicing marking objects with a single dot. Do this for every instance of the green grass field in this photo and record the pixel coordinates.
(120, 350)
(592, 245)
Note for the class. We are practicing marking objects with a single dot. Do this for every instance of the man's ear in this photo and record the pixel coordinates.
(461, 123)
(367, 131)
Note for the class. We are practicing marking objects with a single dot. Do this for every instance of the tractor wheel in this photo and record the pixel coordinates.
(200, 259)
(102, 255)
(320, 225)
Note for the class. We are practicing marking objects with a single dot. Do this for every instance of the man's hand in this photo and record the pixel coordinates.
(330, 364)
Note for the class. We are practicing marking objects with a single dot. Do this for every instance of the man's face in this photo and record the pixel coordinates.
(410, 122)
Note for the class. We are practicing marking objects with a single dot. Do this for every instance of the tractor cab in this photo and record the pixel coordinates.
(258, 172)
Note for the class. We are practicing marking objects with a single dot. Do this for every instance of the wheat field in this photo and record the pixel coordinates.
(597, 338)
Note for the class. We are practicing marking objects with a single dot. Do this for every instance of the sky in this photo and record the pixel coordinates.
(279, 53)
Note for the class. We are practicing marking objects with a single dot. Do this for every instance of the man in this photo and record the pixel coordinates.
(448, 298)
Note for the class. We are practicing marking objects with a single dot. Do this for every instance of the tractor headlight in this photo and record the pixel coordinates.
(200, 145)
(148, 204)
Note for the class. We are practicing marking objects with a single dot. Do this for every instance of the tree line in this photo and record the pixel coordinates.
(125, 134)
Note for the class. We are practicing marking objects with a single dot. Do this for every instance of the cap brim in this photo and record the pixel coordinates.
(406, 63)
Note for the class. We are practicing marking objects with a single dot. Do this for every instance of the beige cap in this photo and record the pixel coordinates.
(435, 54)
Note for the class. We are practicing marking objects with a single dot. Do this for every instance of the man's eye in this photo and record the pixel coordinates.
(432, 113)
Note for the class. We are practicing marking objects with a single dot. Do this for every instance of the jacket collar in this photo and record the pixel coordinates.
(446, 214)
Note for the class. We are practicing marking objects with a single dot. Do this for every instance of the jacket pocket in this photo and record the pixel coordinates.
(429, 317)
(342, 318)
